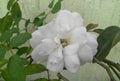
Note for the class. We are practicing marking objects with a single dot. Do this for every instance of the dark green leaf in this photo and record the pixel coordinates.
(6, 76)
(5, 23)
(56, 7)
(10, 3)
(16, 13)
(15, 69)
(107, 39)
(34, 68)
(27, 22)
(3, 62)
(41, 79)
(22, 51)
(5, 37)
(38, 22)
(2, 52)
(24, 61)
(91, 26)
(20, 39)
(99, 31)
(51, 4)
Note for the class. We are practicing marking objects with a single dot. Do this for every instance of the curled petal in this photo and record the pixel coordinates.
(39, 54)
(86, 54)
(72, 63)
(92, 42)
(55, 61)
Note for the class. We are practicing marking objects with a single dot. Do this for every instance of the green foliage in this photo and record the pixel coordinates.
(2, 52)
(107, 39)
(56, 7)
(15, 70)
(19, 39)
(34, 68)
(5, 23)
(51, 4)
(22, 50)
(3, 62)
(38, 22)
(16, 13)
(42, 14)
(27, 22)
(99, 31)
(10, 3)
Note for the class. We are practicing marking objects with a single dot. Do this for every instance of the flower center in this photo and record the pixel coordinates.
(64, 42)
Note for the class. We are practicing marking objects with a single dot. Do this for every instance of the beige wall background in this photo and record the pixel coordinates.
(102, 12)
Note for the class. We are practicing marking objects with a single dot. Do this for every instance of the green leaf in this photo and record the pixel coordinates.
(5, 23)
(41, 79)
(38, 22)
(5, 37)
(24, 61)
(106, 40)
(6, 76)
(2, 52)
(51, 4)
(3, 62)
(15, 69)
(55, 80)
(10, 3)
(34, 68)
(27, 22)
(16, 13)
(22, 51)
(56, 7)
(19, 39)
(91, 26)
(99, 31)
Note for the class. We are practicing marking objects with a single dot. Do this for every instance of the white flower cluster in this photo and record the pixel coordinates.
(63, 43)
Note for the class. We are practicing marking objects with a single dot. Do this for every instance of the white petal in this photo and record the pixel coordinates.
(41, 52)
(36, 39)
(71, 57)
(55, 61)
(92, 42)
(67, 20)
(72, 62)
(86, 54)
(79, 35)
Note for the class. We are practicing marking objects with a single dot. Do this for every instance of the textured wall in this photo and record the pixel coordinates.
(102, 12)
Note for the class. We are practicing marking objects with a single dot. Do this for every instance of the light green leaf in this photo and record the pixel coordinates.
(15, 69)
(42, 14)
(107, 39)
(51, 4)
(34, 68)
(56, 7)
(2, 52)
(16, 13)
(41, 79)
(3, 26)
(19, 39)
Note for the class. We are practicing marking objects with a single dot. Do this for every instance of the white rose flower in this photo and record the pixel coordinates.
(63, 43)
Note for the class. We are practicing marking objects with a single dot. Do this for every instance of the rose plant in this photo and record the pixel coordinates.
(61, 44)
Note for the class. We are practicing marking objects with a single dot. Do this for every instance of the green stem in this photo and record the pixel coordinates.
(48, 74)
(116, 65)
(106, 68)
(118, 75)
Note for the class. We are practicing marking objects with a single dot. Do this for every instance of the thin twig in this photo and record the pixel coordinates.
(48, 74)
(106, 68)
(62, 77)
